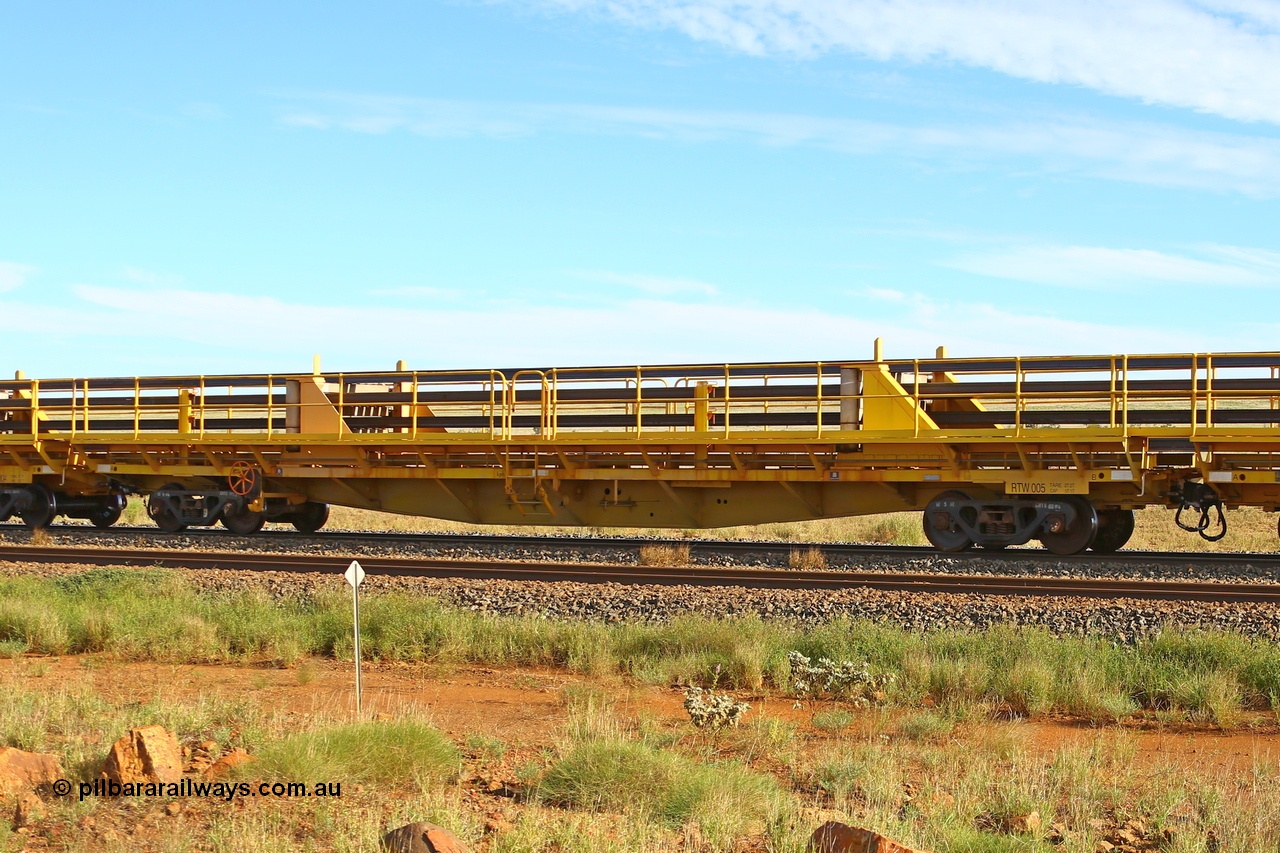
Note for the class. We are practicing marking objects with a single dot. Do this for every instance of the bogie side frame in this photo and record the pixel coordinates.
(996, 451)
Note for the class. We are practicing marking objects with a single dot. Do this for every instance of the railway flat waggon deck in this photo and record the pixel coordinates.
(992, 451)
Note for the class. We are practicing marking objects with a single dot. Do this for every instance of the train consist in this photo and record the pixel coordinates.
(991, 451)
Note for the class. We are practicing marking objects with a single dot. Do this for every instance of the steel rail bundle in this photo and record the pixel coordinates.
(992, 451)
(672, 576)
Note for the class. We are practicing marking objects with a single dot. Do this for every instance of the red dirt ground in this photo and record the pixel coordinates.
(525, 707)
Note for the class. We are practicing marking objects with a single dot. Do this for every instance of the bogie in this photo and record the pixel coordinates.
(954, 521)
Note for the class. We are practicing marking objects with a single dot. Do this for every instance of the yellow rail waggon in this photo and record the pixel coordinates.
(992, 451)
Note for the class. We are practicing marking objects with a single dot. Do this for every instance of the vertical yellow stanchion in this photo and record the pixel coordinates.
(701, 409)
(701, 420)
(818, 401)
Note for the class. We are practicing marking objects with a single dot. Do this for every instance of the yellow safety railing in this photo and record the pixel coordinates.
(1185, 394)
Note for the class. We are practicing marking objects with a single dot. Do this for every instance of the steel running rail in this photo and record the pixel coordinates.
(637, 575)
(698, 547)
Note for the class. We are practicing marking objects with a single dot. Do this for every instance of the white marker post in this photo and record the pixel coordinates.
(355, 576)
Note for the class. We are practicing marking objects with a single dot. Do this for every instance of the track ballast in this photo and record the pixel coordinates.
(663, 576)
(727, 548)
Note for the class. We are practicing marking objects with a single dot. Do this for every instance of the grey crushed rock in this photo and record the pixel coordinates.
(1246, 570)
(1124, 620)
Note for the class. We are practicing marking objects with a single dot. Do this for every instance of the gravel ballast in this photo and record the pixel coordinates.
(1124, 620)
(1247, 569)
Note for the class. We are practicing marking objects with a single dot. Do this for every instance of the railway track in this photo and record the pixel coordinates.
(697, 547)
(666, 576)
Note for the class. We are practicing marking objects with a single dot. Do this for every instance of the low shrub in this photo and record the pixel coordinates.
(635, 778)
(925, 725)
(384, 752)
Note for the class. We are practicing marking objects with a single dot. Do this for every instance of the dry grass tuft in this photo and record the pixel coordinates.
(39, 538)
(807, 559)
(664, 555)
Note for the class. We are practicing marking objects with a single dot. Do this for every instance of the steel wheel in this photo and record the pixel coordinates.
(309, 517)
(104, 516)
(160, 513)
(41, 509)
(1080, 535)
(1115, 526)
(244, 523)
(944, 537)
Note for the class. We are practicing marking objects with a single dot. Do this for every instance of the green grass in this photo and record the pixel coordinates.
(40, 721)
(633, 777)
(156, 615)
(833, 720)
(608, 782)
(391, 753)
(486, 748)
(925, 725)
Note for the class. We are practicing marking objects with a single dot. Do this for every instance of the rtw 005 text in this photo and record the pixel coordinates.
(200, 788)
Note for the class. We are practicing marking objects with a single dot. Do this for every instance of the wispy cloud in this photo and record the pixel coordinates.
(886, 294)
(1103, 267)
(1214, 56)
(14, 275)
(1130, 151)
(625, 331)
(651, 284)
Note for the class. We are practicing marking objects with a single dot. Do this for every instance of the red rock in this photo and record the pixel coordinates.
(422, 838)
(20, 770)
(1024, 824)
(29, 809)
(496, 822)
(835, 837)
(229, 762)
(147, 754)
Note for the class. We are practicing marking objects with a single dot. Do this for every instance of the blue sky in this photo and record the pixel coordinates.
(629, 181)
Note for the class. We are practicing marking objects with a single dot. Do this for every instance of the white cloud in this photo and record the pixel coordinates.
(1214, 56)
(1099, 267)
(635, 331)
(885, 294)
(651, 284)
(14, 275)
(1131, 151)
(1263, 260)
